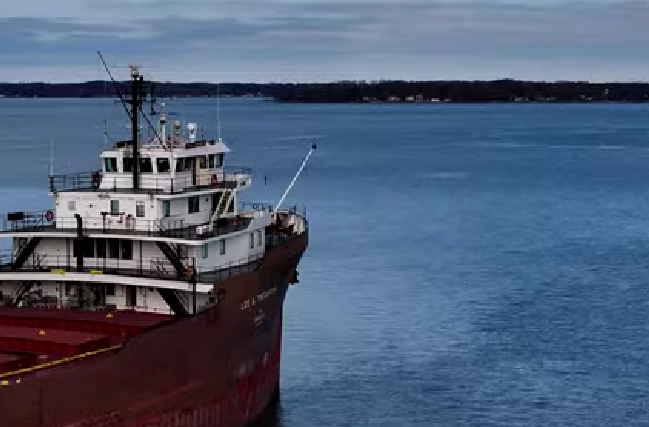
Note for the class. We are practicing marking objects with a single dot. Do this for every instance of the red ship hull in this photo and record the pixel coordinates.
(220, 368)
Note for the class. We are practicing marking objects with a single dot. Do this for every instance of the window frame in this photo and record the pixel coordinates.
(191, 209)
(140, 208)
(146, 161)
(127, 164)
(110, 165)
(114, 207)
(160, 160)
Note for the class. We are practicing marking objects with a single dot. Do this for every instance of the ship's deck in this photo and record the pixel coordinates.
(29, 337)
(76, 320)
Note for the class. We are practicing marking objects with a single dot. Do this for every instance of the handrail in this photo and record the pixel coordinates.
(168, 227)
(178, 182)
(158, 268)
(19, 221)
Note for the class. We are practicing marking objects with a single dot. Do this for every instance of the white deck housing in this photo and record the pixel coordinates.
(183, 222)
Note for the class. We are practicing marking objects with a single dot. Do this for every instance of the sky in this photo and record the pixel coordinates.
(325, 40)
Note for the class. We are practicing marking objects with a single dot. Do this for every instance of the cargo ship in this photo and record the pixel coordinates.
(149, 295)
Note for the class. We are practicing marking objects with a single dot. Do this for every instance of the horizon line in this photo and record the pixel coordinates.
(352, 81)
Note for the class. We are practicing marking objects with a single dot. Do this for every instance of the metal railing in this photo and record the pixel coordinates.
(156, 268)
(146, 309)
(60, 264)
(28, 221)
(233, 268)
(171, 227)
(227, 178)
(7, 257)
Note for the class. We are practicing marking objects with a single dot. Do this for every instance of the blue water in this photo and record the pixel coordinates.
(482, 265)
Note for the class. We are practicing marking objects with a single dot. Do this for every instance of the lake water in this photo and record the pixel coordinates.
(476, 265)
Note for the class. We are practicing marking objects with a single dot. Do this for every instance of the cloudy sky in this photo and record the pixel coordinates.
(325, 40)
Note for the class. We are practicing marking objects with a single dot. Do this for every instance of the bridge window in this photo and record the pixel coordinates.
(193, 204)
(163, 164)
(139, 209)
(110, 164)
(258, 237)
(204, 250)
(222, 246)
(219, 160)
(166, 207)
(203, 162)
(110, 290)
(128, 164)
(210, 161)
(184, 164)
(145, 165)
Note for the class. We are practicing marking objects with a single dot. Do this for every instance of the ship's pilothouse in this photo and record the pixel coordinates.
(171, 163)
(153, 230)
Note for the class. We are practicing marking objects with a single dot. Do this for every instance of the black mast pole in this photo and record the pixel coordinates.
(135, 101)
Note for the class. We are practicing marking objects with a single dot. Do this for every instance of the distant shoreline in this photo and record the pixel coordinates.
(382, 92)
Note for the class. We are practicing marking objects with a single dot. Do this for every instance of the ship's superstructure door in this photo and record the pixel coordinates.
(131, 296)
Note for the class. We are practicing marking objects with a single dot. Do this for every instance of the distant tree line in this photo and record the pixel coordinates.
(98, 89)
(464, 91)
(359, 91)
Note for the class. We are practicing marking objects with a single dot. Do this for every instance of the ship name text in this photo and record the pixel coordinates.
(251, 302)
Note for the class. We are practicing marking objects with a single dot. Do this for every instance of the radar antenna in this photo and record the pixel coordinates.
(137, 99)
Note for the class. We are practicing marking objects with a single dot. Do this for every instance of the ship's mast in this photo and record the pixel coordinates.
(137, 99)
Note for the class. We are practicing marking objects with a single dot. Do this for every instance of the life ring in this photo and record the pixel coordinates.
(189, 271)
(215, 180)
(49, 216)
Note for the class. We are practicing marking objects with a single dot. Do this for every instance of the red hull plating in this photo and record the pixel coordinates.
(220, 368)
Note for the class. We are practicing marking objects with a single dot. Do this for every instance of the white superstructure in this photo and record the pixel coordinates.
(106, 245)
